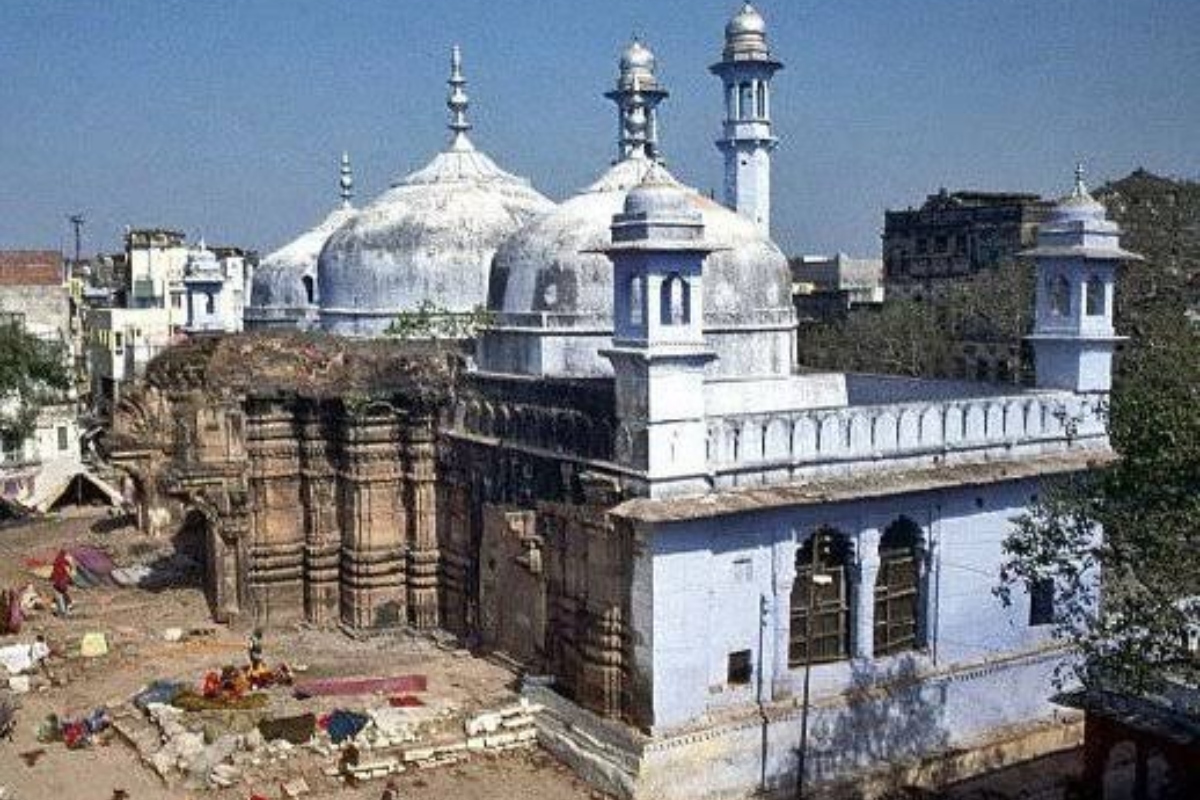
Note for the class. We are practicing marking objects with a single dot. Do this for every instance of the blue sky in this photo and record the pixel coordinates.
(227, 117)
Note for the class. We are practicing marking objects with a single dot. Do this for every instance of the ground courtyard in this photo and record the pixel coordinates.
(136, 622)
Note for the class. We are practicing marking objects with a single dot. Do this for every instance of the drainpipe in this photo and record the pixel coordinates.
(764, 613)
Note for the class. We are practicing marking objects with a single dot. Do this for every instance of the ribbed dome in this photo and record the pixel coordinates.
(551, 273)
(430, 238)
(283, 290)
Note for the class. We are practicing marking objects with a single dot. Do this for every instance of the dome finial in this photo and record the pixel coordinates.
(458, 102)
(346, 180)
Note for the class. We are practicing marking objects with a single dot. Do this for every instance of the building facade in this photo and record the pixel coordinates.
(956, 235)
(34, 296)
(120, 343)
(828, 287)
(728, 574)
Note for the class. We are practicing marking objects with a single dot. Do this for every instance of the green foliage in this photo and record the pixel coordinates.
(431, 321)
(32, 373)
(918, 338)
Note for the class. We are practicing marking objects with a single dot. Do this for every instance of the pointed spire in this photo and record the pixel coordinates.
(458, 102)
(346, 181)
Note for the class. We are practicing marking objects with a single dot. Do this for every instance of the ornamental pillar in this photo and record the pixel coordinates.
(865, 571)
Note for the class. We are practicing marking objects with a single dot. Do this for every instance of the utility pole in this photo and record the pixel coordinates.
(77, 221)
(819, 543)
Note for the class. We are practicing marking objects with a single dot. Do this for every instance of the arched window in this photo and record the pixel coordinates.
(637, 299)
(209, 303)
(746, 100)
(674, 301)
(898, 588)
(307, 280)
(1095, 297)
(820, 608)
(762, 100)
(1060, 296)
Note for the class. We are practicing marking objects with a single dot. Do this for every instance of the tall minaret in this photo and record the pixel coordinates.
(1077, 254)
(637, 96)
(458, 102)
(746, 69)
(346, 181)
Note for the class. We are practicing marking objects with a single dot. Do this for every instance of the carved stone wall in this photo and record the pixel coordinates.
(371, 509)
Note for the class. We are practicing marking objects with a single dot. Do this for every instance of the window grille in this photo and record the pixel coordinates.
(830, 609)
(897, 589)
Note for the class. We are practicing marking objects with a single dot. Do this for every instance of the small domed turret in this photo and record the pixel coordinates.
(746, 35)
(1079, 204)
(637, 58)
(637, 95)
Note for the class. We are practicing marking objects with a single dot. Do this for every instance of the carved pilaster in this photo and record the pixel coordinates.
(275, 550)
(422, 560)
(602, 674)
(373, 519)
(322, 536)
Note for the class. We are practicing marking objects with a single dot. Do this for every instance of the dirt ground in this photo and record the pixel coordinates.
(133, 620)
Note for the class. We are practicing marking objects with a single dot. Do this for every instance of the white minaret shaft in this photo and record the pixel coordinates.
(458, 102)
(346, 181)
(745, 70)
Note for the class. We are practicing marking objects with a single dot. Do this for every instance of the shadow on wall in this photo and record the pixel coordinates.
(891, 720)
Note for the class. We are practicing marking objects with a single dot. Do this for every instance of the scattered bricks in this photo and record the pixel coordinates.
(223, 776)
(522, 721)
(368, 770)
(295, 787)
(450, 749)
(418, 754)
(476, 743)
(499, 739)
(488, 722)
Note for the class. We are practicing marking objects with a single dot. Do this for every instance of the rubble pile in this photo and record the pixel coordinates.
(217, 750)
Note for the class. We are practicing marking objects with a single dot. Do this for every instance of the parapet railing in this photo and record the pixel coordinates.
(1045, 421)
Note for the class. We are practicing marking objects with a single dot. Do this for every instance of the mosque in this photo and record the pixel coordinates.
(718, 571)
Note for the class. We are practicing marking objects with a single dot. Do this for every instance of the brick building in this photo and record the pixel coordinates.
(955, 235)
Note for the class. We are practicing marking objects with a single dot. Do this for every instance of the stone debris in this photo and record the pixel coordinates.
(93, 645)
(295, 787)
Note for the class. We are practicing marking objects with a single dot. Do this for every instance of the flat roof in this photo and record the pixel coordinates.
(865, 484)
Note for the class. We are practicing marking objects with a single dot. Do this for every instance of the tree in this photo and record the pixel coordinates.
(1125, 598)
(32, 373)
(920, 338)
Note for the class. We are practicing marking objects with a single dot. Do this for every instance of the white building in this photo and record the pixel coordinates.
(120, 342)
(34, 296)
(214, 291)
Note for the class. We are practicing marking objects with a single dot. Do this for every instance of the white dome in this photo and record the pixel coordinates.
(429, 238)
(637, 57)
(284, 287)
(748, 20)
(551, 274)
